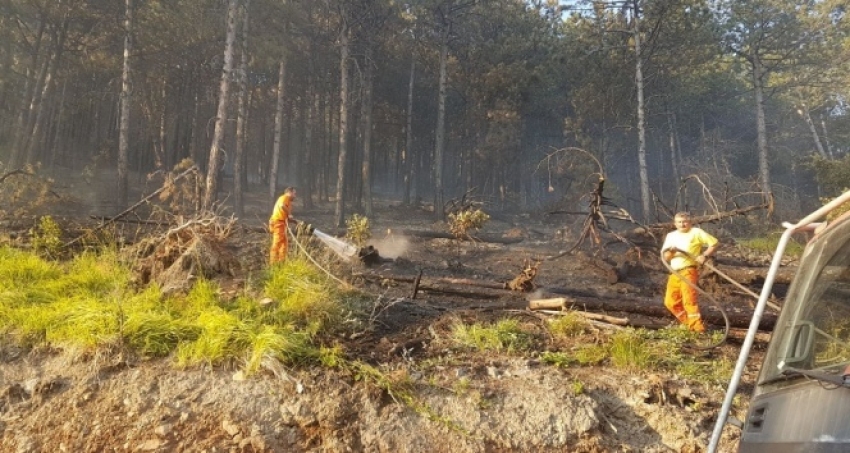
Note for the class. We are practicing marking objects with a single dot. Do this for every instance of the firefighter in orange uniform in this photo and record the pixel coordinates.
(683, 249)
(277, 225)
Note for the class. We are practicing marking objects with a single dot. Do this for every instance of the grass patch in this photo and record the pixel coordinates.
(768, 245)
(713, 372)
(569, 325)
(588, 355)
(630, 350)
(557, 359)
(305, 296)
(89, 303)
(19, 269)
(505, 335)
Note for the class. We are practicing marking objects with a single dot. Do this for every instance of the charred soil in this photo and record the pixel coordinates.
(467, 400)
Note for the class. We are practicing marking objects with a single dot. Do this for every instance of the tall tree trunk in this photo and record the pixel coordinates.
(238, 169)
(124, 127)
(33, 149)
(339, 213)
(29, 88)
(278, 129)
(221, 114)
(367, 131)
(307, 172)
(161, 137)
(408, 140)
(56, 146)
(758, 86)
(803, 111)
(674, 162)
(327, 144)
(641, 117)
(41, 84)
(440, 138)
(193, 134)
(826, 137)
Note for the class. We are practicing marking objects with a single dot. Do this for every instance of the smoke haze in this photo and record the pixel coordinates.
(392, 245)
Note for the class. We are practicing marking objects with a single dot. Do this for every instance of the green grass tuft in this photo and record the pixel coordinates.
(285, 345)
(505, 335)
(630, 350)
(569, 325)
(222, 337)
(304, 295)
(19, 269)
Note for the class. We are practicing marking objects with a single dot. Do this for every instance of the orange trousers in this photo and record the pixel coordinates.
(681, 299)
(280, 242)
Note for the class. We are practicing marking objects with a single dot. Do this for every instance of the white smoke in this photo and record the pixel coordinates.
(392, 245)
(538, 294)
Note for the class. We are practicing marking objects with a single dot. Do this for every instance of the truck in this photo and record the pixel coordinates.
(801, 397)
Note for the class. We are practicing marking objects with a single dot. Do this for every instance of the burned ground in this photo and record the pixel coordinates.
(470, 401)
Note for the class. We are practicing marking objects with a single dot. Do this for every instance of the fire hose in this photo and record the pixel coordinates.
(714, 301)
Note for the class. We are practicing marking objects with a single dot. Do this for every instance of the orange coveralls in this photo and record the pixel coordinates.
(680, 298)
(277, 226)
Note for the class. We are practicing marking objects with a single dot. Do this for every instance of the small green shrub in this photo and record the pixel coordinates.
(46, 237)
(464, 223)
(357, 229)
(577, 387)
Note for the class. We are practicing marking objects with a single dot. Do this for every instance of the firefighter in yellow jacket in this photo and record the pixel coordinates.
(277, 225)
(681, 297)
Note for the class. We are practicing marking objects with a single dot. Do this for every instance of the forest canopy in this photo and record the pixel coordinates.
(426, 100)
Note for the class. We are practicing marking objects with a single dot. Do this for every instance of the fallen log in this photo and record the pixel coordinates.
(579, 299)
(135, 221)
(464, 291)
(757, 276)
(593, 316)
(489, 238)
(542, 304)
(655, 308)
(434, 281)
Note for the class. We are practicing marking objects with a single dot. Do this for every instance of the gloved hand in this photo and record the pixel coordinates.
(669, 253)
